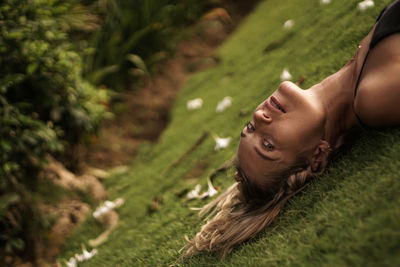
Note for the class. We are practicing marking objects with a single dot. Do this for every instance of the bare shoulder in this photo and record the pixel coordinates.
(378, 96)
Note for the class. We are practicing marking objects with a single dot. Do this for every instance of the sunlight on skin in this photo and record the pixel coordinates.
(285, 125)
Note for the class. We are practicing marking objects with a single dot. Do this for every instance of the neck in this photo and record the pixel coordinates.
(336, 94)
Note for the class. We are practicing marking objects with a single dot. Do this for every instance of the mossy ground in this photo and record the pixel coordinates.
(349, 216)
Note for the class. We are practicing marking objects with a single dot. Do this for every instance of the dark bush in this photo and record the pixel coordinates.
(45, 104)
(135, 35)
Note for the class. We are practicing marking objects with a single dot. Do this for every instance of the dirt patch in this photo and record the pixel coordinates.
(146, 111)
(87, 183)
(68, 215)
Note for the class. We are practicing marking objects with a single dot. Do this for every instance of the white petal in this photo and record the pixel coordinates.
(100, 211)
(324, 2)
(288, 24)
(93, 252)
(97, 213)
(71, 262)
(362, 6)
(107, 206)
(224, 103)
(221, 143)
(194, 193)
(286, 76)
(88, 255)
(204, 195)
(194, 104)
(211, 190)
(79, 257)
(119, 202)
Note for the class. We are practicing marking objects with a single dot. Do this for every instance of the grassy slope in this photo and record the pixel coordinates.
(347, 217)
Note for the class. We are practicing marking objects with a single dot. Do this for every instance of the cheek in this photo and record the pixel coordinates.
(299, 133)
(291, 137)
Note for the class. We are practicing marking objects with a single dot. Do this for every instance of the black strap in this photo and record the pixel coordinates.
(388, 22)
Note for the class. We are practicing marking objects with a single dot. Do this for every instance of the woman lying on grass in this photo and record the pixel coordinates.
(294, 131)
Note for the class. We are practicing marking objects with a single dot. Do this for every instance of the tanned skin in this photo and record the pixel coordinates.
(293, 121)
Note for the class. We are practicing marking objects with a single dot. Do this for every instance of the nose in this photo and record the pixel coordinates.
(262, 116)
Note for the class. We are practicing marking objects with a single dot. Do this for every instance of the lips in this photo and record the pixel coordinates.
(275, 104)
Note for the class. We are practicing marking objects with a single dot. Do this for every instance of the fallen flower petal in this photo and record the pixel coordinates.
(79, 257)
(107, 206)
(88, 255)
(194, 193)
(286, 76)
(324, 2)
(100, 211)
(288, 24)
(362, 6)
(71, 262)
(221, 143)
(211, 190)
(119, 202)
(194, 104)
(204, 195)
(224, 103)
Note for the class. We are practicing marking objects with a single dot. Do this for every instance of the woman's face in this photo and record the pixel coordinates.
(287, 124)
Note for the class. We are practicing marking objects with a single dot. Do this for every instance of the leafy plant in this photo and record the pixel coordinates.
(45, 104)
(139, 29)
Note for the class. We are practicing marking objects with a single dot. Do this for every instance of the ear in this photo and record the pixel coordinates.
(320, 156)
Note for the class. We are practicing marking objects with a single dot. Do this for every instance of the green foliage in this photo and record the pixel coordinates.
(44, 102)
(142, 29)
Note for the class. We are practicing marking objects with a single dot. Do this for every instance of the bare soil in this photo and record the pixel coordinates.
(146, 110)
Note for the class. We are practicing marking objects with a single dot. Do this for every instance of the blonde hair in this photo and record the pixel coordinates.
(244, 210)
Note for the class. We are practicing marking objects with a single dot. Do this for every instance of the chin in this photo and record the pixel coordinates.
(291, 96)
(288, 87)
(289, 84)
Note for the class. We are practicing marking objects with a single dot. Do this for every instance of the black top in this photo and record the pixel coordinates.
(388, 23)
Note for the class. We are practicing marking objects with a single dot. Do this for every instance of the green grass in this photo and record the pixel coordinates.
(349, 216)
